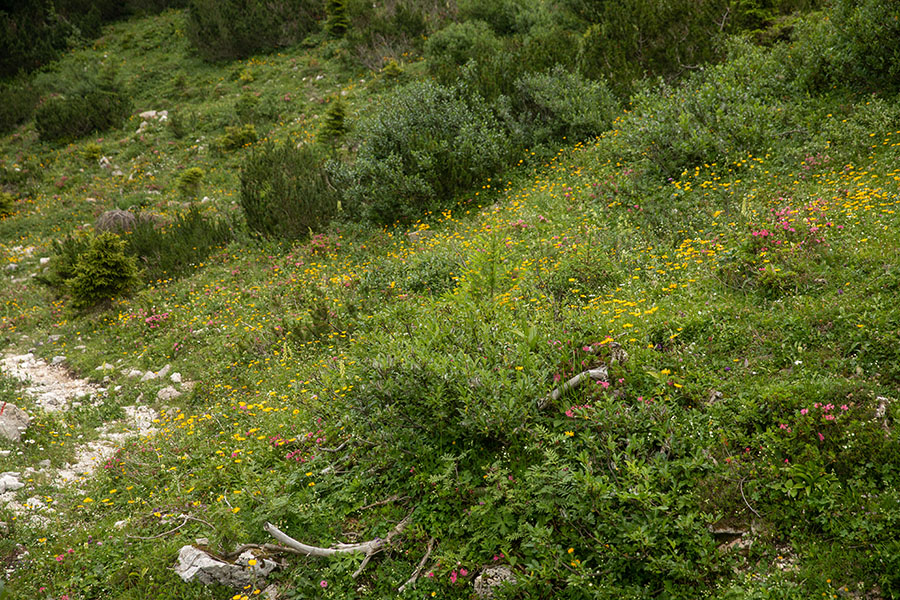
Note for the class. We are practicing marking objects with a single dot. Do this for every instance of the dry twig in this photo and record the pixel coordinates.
(418, 571)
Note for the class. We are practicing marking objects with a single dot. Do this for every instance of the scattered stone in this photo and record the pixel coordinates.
(148, 114)
(12, 267)
(50, 387)
(105, 163)
(142, 127)
(57, 360)
(117, 173)
(202, 541)
(52, 339)
(491, 578)
(134, 373)
(5, 453)
(196, 565)
(44, 260)
(167, 393)
(175, 377)
(105, 367)
(148, 376)
(9, 482)
(164, 371)
(120, 524)
(44, 463)
(13, 422)
(187, 386)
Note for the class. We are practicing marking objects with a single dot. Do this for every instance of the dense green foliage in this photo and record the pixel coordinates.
(103, 272)
(424, 145)
(286, 192)
(230, 29)
(92, 103)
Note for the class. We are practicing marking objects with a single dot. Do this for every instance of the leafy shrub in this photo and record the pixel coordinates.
(189, 181)
(721, 112)
(230, 29)
(93, 103)
(505, 17)
(285, 191)
(102, 272)
(557, 105)
(237, 137)
(17, 104)
(31, 35)
(167, 251)
(7, 204)
(457, 44)
(631, 39)
(857, 46)
(419, 149)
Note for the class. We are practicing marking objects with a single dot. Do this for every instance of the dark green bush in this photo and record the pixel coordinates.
(17, 103)
(230, 29)
(631, 39)
(31, 35)
(7, 204)
(334, 126)
(557, 105)
(337, 21)
(236, 137)
(505, 17)
(95, 102)
(856, 46)
(102, 272)
(65, 256)
(424, 145)
(457, 44)
(167, 251)
(286, 192)
(719, 113)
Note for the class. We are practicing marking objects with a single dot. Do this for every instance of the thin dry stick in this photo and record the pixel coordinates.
(159, 535)
(394, 498)
(741, 487)
(418, 571)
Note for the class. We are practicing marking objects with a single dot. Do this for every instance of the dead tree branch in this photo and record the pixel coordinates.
(369, 548)
(598, 374)
(418, 571)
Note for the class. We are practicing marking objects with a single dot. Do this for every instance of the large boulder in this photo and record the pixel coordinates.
(117, 221)
(13, 422)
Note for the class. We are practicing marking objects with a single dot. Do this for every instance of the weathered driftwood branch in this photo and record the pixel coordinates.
(369, 548)
(418, 571)
(598, 374)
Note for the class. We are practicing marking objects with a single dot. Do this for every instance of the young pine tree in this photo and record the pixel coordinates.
(337, 23)
(334, 127)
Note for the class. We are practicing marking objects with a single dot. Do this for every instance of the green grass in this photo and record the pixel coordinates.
(423, 352)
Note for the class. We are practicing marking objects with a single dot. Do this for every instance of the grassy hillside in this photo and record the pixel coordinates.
(722, 256)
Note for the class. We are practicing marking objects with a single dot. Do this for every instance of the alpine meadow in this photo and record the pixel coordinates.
(460, 299)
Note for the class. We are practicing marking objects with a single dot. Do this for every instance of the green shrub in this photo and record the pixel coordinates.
(189, 181)
(505, 17)
(66, 252)
(167, 251)
(719, 113)
(334, 127)
(557, 105)
(857, 45)
(17, 103)
(31, 35)
(337, 21)
(631, 39)
(95, 102)
(237, 137)
(423, 146)
(230, 29)
(102, 272)
(457, 44)
(285, 191)
(91, 152)
(7, 204)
